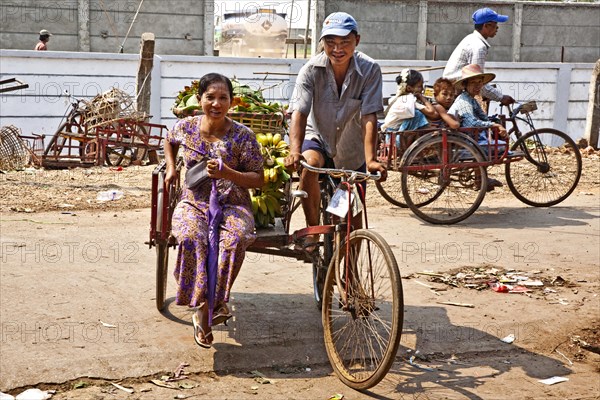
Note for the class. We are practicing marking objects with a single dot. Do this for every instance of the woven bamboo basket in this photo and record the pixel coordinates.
(13, 151)
(111, 106)
(258, 122)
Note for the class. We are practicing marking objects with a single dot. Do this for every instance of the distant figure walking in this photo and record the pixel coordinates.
(44, 38)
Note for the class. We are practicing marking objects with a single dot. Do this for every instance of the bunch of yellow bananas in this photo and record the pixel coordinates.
(268, 201)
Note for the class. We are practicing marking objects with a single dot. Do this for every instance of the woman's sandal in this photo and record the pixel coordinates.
(198, 328)
(221, 315)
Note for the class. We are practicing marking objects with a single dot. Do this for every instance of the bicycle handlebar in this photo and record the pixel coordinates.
(520, 108)
(352, 176)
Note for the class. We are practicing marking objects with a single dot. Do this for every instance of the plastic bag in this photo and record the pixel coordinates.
(109, 195)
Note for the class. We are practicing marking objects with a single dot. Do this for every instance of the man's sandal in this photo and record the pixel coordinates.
(198, 329)
(221, 315)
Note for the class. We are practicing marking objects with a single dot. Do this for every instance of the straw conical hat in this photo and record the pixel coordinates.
(474, 71)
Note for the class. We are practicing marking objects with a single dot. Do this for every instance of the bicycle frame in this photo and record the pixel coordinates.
(513, 118)
(342, 228)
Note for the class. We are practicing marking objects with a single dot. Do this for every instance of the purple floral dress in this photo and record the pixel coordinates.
(240, 151)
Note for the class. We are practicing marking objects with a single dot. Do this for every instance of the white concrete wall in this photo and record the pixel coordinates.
(560, 89)
(40, 108)
(178, 71)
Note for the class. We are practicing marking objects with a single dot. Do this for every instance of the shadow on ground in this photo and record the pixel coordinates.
(282, 334)
(461, 359)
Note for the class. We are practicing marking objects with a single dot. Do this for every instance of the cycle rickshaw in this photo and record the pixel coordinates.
(99, 132)
(357, 283)
(442, 175)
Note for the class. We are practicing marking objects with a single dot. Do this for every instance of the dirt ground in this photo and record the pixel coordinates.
(77, 302)
(36, 190)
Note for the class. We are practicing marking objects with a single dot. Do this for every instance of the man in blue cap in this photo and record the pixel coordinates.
(473, 49)
(334, 107)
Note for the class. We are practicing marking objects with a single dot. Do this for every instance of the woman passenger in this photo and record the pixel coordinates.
(213, 136)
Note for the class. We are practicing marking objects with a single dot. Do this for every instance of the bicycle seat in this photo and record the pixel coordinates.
(299, 193)
(522, 108)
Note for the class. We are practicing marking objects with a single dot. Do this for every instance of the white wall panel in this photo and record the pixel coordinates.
(39, 108)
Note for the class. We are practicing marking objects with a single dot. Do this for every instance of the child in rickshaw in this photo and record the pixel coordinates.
(408, 110)
(444, 94)
(470, 113)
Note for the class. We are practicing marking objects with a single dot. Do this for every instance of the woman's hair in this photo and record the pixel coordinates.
(211, 78)
(408, 77)
(44, 37)
(441, 84)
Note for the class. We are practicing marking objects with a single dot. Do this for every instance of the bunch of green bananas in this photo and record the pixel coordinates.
(267, 202)
(245, 99)
(186, 101)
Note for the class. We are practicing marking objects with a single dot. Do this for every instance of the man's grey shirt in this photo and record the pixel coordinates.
(334, 119)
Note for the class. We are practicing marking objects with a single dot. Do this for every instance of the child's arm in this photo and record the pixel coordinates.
(429, 110)
(448, 119)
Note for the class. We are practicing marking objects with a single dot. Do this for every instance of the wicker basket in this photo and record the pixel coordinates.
(13, 151)
(259, 123)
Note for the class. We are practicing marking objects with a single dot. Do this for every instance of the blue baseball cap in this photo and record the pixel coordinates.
(484, 15)
(338, 24)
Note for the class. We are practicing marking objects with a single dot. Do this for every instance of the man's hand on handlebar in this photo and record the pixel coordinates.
(376, 166)
(292, 162)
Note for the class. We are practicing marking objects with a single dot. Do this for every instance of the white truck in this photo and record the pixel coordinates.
(251, 34)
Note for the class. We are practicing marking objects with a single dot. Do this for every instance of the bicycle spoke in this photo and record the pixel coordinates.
(361, 311)
(442, 186)
(549, 170)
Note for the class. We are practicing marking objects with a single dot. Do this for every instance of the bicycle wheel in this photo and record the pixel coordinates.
(139, 154)
(118, 155)
(323, 258)
(162, 268)
(363, 310)
(389, 154)
(391, 189)
(440, 183)
(72, 128)
(75, 125)
(549, 171)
